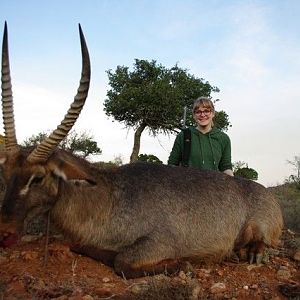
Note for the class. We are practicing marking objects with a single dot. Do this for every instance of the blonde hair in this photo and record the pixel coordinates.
(203, 102)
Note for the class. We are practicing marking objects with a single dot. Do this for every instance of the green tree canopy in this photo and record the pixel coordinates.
(149, 158)
(81, 144)
(295, 178)
(152, 96)
(241, 169)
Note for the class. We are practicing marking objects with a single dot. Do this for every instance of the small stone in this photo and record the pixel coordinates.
(139, 288)
(205, 271)
(29, 238)
(218, 287)
(254, 287)
(283, 274)
(296, 256)
(105, 279)
(87, 297)
(182, 275)
(109, 285)
(251, 267)
(246, 287)
(29, 255)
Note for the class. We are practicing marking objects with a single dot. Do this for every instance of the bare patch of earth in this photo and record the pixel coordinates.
(66, 275)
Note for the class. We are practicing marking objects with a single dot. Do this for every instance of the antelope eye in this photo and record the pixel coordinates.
(37, 179)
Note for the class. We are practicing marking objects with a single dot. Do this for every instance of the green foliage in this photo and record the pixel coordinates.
(116, 162)
(104, 164)
(152, 95)
(149, 158)
(295, 178)
(288, 195)
(241, 169)
(81, 144)
(221, 120)
(246, 172)
(35, 139)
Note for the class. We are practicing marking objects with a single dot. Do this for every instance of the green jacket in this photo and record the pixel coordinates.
(209, 151)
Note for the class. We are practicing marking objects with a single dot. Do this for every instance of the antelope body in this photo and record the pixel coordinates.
(139, 218)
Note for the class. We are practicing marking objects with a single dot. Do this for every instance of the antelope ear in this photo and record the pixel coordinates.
(69, 171)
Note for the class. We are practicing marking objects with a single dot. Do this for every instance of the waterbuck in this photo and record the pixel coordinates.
(139, 218)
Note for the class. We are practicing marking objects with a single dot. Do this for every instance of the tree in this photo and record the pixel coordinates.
(35, 139)
(152, 96)
(241, 169)
(149, 158)
(296, 164)
(81, 144)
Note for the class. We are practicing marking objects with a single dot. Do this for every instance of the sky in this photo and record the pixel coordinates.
(249, 49)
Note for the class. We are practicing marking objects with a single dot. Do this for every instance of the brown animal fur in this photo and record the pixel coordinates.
(143, 216)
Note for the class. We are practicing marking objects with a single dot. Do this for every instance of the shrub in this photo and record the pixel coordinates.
(289, 198)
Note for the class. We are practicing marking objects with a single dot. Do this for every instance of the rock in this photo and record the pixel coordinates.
(283, 274)
(195, 289)
(29, 255)
(182, 275)
(105, 279)
(139, 288)
(27, 238)
(205, 271)
(254, 287)
(296, 256)
(218, 287)
(252, 266)
(109, 285)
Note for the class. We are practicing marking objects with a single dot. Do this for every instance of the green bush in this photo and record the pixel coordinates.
(289, 198)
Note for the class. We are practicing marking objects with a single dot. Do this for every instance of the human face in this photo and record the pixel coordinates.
(204, 116)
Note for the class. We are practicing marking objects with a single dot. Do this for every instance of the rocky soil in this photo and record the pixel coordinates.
(29, 271)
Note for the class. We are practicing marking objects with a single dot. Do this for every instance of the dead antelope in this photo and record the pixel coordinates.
(138, 218)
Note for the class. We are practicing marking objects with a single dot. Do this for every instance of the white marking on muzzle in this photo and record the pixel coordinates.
(25, 189)
(2, 160)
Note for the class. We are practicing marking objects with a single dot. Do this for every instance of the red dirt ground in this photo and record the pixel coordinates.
(74, 277)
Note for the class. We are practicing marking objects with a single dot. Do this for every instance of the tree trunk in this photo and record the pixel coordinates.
(137, 143)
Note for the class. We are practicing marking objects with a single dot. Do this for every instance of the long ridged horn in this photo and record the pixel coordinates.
(7, 98)
(44, 150)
